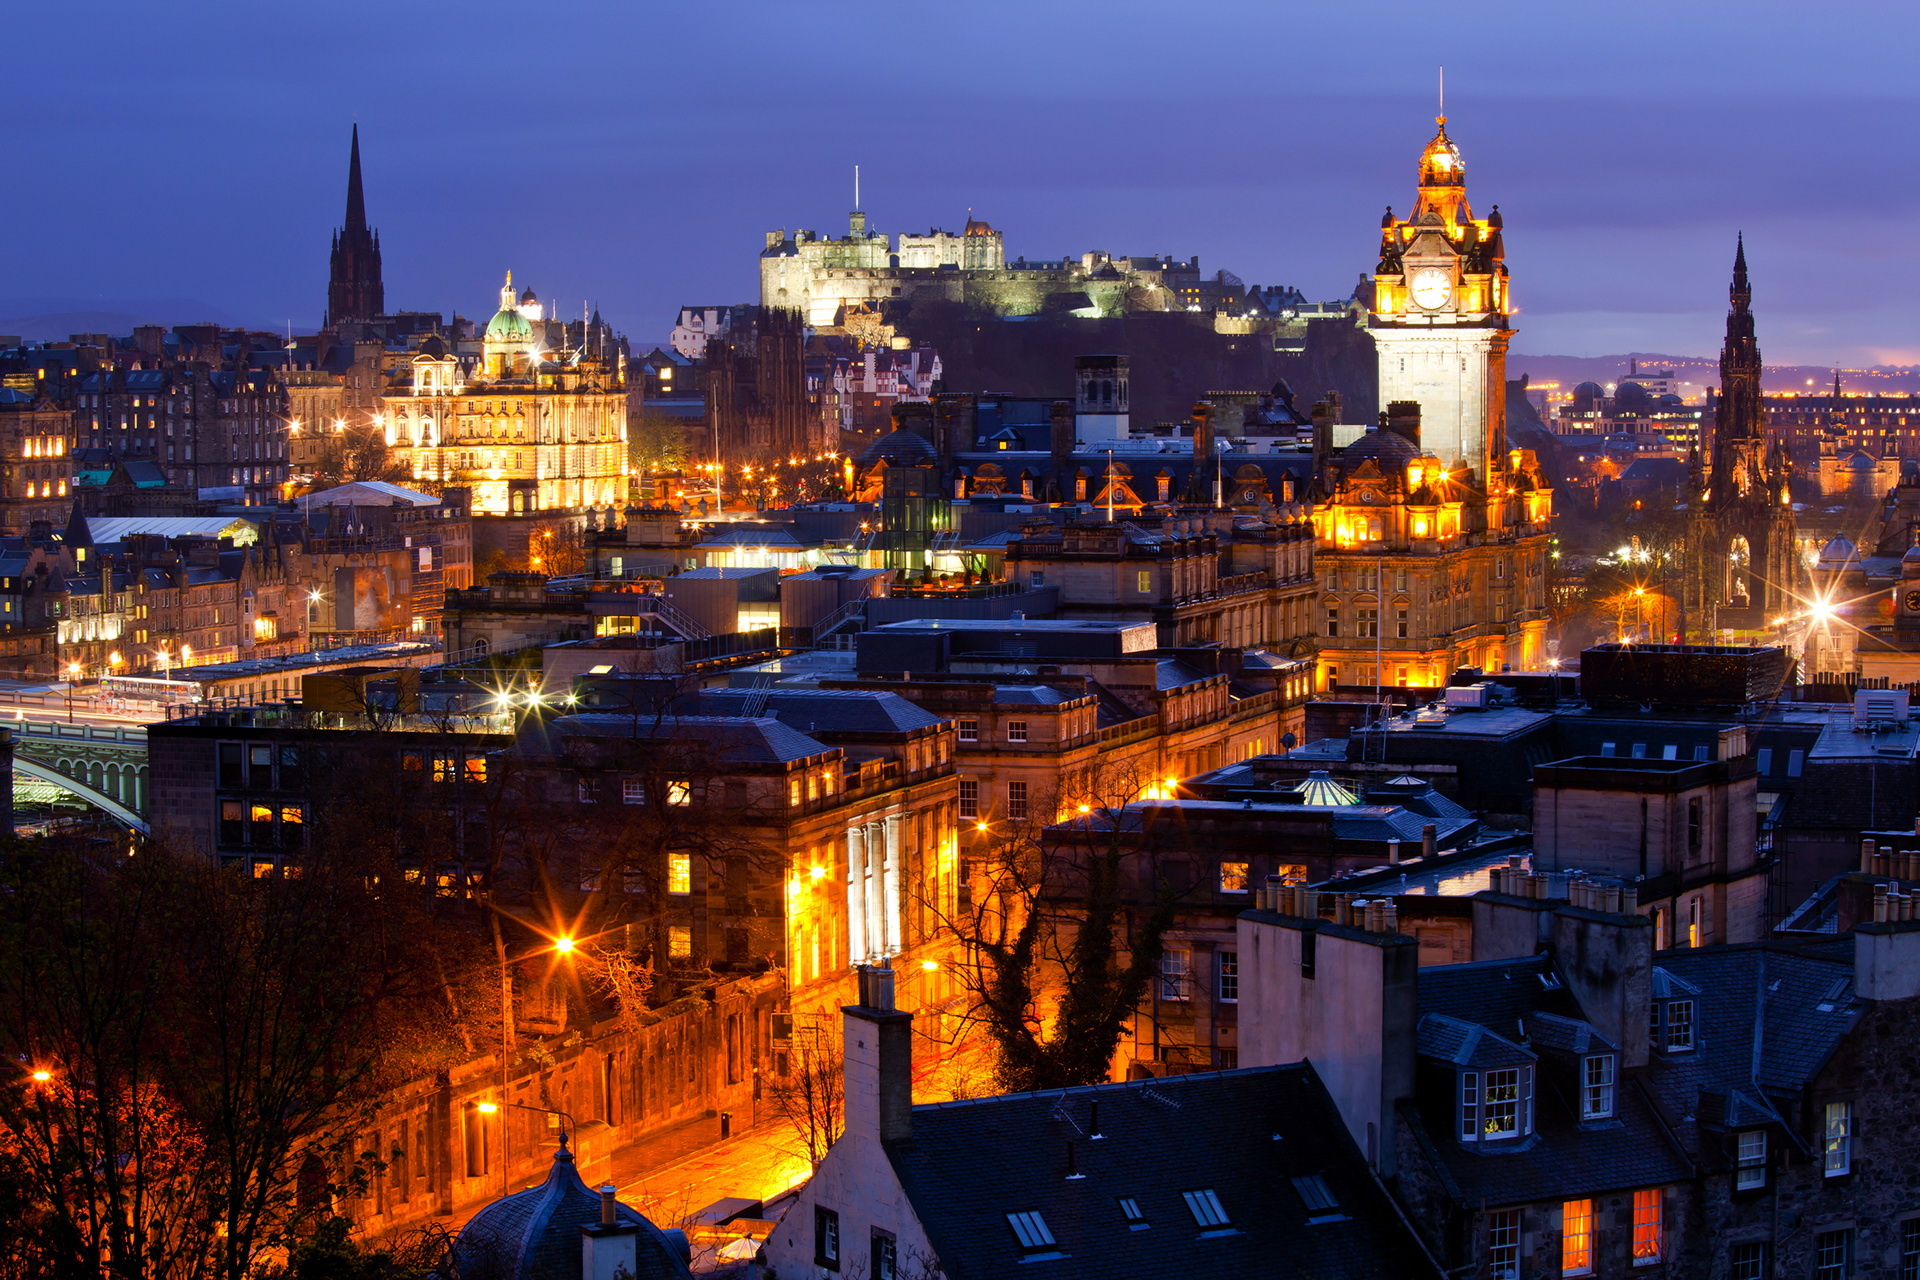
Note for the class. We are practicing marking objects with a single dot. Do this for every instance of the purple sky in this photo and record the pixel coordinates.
(193, 156)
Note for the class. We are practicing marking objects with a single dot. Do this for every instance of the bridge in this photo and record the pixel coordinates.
(103, 765)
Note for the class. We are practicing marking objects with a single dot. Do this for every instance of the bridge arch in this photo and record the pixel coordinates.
(106, 804)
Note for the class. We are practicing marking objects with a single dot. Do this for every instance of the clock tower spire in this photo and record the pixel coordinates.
(1439, 317)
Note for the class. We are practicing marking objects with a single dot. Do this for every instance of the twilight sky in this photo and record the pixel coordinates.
(189, 159)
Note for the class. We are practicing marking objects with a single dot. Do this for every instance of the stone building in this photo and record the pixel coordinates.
(36, 470)
(1588, 1105)
(1434, 532)
(823, 276)
(533, 426)
(1245, 1173)
(1743, 573)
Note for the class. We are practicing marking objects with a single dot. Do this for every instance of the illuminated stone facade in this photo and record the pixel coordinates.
(531, 427)
(820, 275)
(1433, 533)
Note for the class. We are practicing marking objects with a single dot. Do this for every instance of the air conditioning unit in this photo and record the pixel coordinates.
(1469, 697)
(1882, 706)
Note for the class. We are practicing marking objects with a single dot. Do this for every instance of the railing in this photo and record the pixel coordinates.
(124, 736)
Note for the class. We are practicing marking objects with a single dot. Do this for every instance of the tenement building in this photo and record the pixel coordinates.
(1434, 533)
(1575, 1102)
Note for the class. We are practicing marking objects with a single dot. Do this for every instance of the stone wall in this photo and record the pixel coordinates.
(437, 1154)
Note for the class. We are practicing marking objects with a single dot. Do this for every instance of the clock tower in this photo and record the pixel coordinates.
(1439, 317)
(1434, 534)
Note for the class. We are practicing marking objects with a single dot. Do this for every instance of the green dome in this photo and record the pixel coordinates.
(508, 325)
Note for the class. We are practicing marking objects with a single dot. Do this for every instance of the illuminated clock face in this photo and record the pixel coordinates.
(1913, 602)
(1431, 288)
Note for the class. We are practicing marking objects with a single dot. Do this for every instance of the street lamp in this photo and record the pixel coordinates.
(73, 673)
(562, 944)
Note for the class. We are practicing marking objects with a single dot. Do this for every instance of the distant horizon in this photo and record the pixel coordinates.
(637, 158)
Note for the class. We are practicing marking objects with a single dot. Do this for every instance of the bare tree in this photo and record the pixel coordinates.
(1064, 931)
(197, 1044)
(810, 1096)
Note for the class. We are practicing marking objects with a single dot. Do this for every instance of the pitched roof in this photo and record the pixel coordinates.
(1252, 1138)
(827, 710)
(732, 739)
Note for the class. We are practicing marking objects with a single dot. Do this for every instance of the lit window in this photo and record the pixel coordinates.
(1576, 1238)
(679, 873)
(1649, 1227)
(1031, 1230)
(679, 941)
(1836, 1141)
(1751, 1164)
(1496, 1104)
(1596, 1089)
(1233, 877)
(1503, 1244)
(1144, 581)
(1206, 1208)
(1016, 731)
(476, 769)
(679, 791)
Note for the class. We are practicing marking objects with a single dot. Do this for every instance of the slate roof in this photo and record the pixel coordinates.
(1244, 1135)
(830, 710)
(1765, 1023)
(1564, 1156)
(733, 739)
(535, 1234)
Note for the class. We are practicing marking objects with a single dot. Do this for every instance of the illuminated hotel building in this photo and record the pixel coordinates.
(1433, 533)
(529, 427)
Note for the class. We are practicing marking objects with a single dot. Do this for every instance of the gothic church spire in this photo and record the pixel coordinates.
(354, 289)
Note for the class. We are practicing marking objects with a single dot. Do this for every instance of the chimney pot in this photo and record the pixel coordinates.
(608, 1214)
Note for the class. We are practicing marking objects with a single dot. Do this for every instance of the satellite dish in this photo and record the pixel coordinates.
(1288, 741)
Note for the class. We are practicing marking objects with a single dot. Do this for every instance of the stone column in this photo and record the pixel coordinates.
(856, 895)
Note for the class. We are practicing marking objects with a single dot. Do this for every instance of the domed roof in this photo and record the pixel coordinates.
(1838, 552)
(1320, 788)
(900, 448)
(1912, 556)
(976, 227)
(509, 325)
(1391, 449)
(527, 297)
(535, 1234)
(1589, 389)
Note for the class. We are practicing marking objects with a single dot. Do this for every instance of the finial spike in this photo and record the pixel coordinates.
(856, 188)
(1443, 95)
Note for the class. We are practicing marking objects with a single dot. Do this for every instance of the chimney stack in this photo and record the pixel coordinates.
(609, 1248)
(1403, 416)
(878, 1053)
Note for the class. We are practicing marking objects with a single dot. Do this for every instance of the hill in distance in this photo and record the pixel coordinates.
(1704, 371)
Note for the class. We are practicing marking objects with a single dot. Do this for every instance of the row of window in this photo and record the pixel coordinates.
(969, 731)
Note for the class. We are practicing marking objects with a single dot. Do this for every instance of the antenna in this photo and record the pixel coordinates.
(1443, 93)
(856, 188)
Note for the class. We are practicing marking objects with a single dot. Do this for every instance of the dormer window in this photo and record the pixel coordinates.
(1597, 1075)
(1496, 1105)
(1670, 1025)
